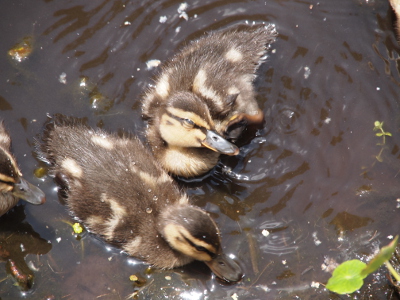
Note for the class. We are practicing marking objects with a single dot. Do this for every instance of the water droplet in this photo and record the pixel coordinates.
(149, 190)
(149, 210)
(155, 198)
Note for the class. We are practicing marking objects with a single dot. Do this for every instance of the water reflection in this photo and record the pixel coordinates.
(17, 240)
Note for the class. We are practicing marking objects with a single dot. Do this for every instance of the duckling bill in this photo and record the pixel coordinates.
(118, 191)
(12, 185)
(204, 97)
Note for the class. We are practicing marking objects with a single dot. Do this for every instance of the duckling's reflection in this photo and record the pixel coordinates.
(18, 239)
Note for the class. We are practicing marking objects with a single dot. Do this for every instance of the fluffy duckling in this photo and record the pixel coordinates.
(12, 186)
(203, 97)
(118, 191)
(396, 8)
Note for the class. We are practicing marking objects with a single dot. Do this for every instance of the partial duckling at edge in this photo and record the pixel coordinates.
(12, 186)
(114, 186)
(204, 96)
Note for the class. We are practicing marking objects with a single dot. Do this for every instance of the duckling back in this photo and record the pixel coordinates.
(12, 186)
(112, 184)
(116, 188)
(217, 67)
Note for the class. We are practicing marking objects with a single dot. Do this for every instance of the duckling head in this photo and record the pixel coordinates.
(11, 181)
(191, 231)
(186, 122)
(12, 185)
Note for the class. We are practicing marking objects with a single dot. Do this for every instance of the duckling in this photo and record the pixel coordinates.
(116, 188)
(204, 97)
(12, 186)
(396, 8)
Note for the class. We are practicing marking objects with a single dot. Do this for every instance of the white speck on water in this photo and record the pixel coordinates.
(307, 72)
(127, 23)
(314, 284)
(177, 29)
(378, 88)
(63, 78)
(265, 232)
(327, 120)
(153, 63)
(22, 247)
(182, 7)
(317, 242)
(163, 19)
(58, 240)
(184, 15)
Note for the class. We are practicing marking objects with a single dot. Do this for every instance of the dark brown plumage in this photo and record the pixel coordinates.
(12, 186)
(116, 188)
(208, 84)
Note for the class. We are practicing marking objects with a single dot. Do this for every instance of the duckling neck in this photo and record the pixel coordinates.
(188, 162)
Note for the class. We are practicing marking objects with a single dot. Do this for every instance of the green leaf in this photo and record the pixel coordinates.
(384, 255)
(347, 277)
(379, 134)
(388, 133)
(378, 124)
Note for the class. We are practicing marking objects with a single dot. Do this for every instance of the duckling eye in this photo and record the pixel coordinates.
(187, 123)
(201, 249)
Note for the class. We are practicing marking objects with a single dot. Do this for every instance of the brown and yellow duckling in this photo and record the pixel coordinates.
(203, 97)
(118, 191)
(12, 185)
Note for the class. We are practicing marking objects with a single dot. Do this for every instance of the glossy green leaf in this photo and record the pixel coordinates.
(384, 255)
(347, 277)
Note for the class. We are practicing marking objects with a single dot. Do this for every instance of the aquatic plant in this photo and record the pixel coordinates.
(379, 127)
(349, 276)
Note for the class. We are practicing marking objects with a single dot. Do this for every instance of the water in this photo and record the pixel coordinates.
(306, 191)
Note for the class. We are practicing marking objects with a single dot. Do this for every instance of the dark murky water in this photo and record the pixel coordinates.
(309, 177)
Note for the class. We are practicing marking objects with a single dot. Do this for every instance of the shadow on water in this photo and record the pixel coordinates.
(306, 191)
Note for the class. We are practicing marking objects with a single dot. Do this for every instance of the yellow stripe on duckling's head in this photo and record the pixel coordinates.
(191, 231)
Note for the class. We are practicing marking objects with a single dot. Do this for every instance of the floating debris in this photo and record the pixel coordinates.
(307, 72)
(182, 11)
(317, 242)
(163, 19)
(153, 63)
(265, 232)
(63, 78)
(133, 278)
(21, 50)
(314, 284)
(24, 280)
(77, 228)
(40, 172)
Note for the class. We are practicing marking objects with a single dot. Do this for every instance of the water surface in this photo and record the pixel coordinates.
(306, 191)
